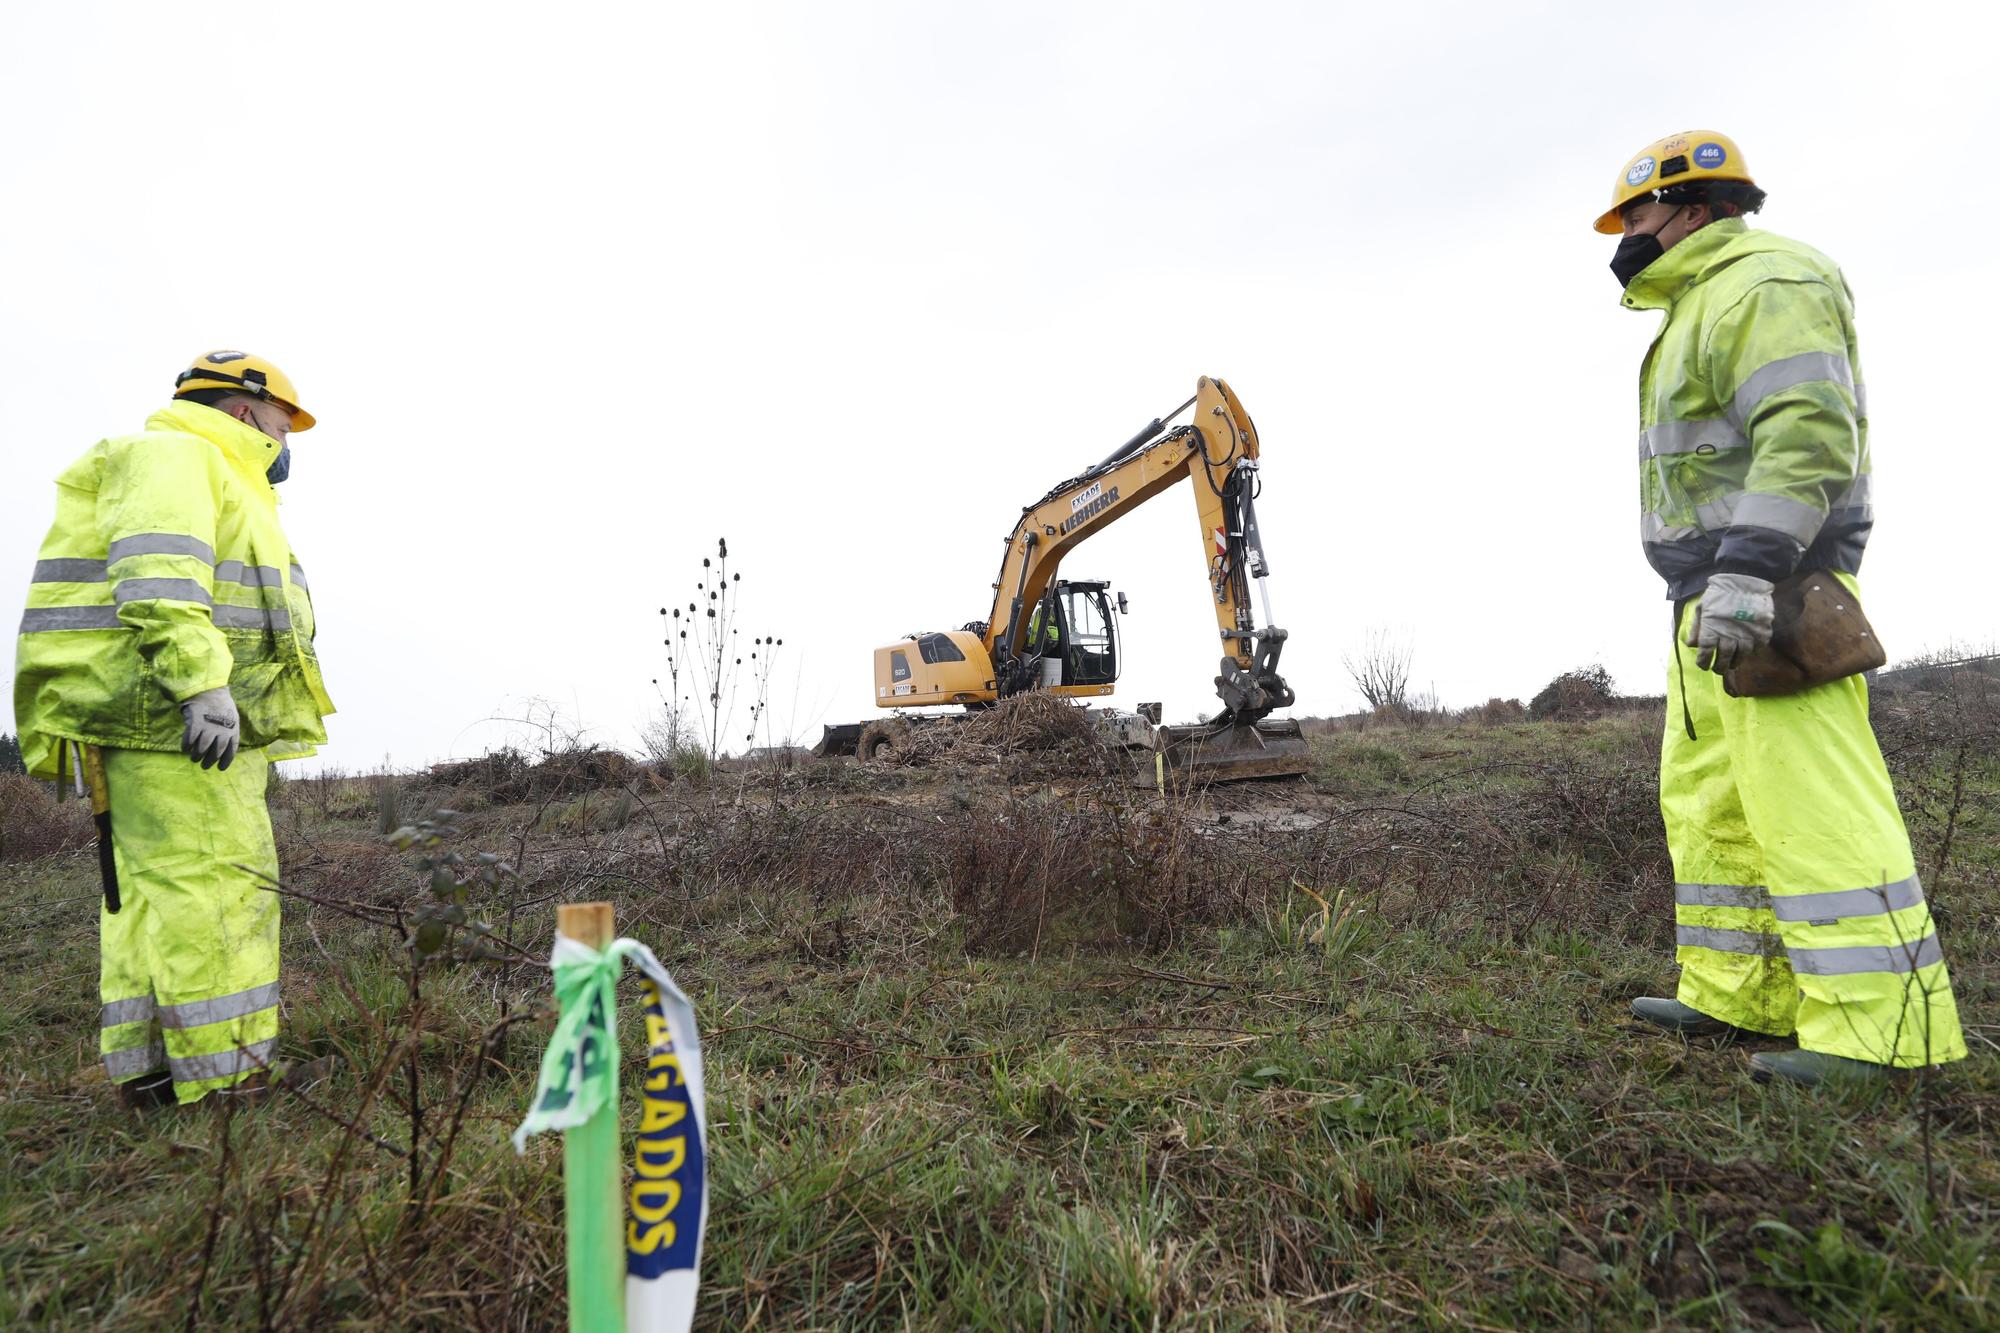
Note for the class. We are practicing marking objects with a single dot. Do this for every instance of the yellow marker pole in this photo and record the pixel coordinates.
(592, 1175)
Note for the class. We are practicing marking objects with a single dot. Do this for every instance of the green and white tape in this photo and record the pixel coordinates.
(667, 1202)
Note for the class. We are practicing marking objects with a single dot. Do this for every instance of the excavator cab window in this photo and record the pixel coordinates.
(1089, 635)
(936, 648)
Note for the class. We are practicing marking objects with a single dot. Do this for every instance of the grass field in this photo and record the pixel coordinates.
(1021, 1049)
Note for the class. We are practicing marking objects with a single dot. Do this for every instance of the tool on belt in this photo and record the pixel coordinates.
(1820, 635)
(90, 779)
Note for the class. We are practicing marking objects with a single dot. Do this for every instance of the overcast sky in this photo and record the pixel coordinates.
(575, 290)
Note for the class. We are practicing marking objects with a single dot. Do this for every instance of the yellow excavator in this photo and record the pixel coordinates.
(1061, 635)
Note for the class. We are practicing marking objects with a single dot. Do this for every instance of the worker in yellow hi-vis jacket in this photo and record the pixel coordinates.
(1797, 904)
(167, 650)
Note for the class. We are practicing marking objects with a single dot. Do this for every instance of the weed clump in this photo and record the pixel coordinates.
(1033, 870)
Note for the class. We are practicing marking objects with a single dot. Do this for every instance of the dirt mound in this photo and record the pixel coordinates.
(507, 775)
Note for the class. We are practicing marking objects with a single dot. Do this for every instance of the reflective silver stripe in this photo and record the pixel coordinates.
(250, 576)
(1686, 437)
(69, 571)
(160, 543)
(1794, 518)
(122, 1065)
(250, 617)
(1721, 895)
(195, 1068)
(1653, 528)
(194, 1013)
(1788, 373)
(1861, 401)
(42, 619)
(1717, 514)
(137, 1009)
(148, 590)
(1840, 962)
(1747, 507)
(1878, 900)
(1728, 941)
(1855, 504)
(299, 577)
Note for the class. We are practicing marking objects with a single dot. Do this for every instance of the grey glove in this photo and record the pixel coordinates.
(212, 735)
(1733, 621)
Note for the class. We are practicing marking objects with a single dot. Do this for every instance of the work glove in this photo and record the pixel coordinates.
(1733, 621)
(211, 736)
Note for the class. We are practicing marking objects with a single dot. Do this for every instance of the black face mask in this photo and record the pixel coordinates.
(1637, 252)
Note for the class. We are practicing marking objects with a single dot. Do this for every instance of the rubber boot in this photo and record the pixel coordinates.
(148, 1092)
(1679, 1018)
(253, 1090)
(1812, 1068)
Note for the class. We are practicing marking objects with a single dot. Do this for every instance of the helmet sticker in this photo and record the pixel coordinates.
(1710, 156)
(1639, 172)
(224, 358)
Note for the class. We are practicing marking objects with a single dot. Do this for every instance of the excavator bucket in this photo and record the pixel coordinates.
(838, 739)
(1272, 748)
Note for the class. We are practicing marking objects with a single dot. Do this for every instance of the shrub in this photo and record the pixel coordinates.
(1574, 696)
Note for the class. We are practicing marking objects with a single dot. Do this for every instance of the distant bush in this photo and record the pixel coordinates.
(10, 755)
(33, 823)
(1574, 696)
(1497, 712)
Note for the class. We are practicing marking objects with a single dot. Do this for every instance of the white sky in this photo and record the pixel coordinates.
(574, 290)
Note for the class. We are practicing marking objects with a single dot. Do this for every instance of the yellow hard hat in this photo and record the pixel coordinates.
(1678, 159)
(240, 372)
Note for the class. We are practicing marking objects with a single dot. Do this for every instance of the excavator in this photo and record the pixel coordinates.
(1061, 635)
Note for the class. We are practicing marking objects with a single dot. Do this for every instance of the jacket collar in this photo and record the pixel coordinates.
(1662, 282)
(250, 449)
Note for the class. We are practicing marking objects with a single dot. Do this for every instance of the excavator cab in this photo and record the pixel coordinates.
(1075, 633)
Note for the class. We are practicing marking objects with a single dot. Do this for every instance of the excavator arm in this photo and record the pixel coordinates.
(1217, 450)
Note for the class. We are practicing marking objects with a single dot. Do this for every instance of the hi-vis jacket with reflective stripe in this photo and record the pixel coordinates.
(164, 575)
(1753, 443)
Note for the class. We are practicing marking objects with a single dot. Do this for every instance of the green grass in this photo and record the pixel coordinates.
(1396, 1111)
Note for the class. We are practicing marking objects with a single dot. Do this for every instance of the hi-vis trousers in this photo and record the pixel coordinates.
(1797, 907)
(189, 967)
